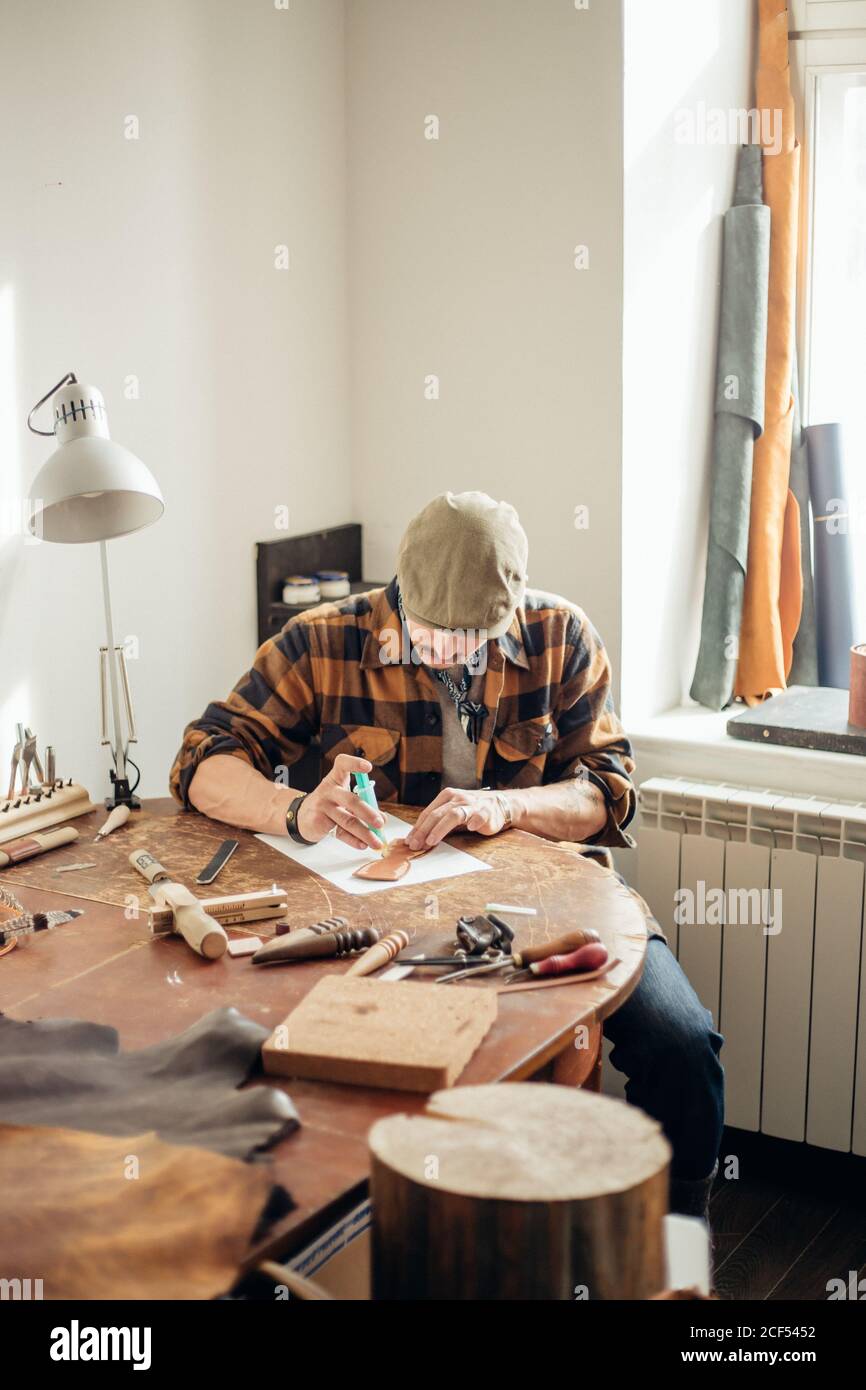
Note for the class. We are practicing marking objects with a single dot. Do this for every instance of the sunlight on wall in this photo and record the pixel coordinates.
(666, 50)
(834, 386)
(14, 698)
(11, 500)
(681, 59)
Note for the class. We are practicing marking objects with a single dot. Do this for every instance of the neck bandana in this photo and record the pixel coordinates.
(470, 713)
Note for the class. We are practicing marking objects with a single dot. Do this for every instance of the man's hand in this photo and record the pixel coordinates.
(333, 804)
(481, 811)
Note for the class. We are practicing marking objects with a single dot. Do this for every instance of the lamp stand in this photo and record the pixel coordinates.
(114, 684)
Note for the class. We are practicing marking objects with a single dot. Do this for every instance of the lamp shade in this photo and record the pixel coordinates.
(93, 490)
(90, 489)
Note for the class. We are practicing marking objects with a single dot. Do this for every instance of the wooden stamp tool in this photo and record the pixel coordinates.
(201, 932)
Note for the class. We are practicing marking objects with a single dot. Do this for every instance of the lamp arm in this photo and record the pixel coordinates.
(67, 380)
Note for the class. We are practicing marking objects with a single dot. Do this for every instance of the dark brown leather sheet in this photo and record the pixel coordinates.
(72, 1075)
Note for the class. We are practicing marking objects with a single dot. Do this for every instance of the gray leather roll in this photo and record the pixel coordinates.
(739, 407)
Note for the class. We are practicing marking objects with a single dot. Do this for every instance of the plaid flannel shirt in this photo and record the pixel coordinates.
(342, 675)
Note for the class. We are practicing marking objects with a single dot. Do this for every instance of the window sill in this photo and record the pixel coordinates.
(693, 742)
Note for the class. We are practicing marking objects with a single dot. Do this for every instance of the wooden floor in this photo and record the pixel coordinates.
(793, 1219)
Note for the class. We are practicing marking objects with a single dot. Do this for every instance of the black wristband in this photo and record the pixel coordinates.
(292, 821)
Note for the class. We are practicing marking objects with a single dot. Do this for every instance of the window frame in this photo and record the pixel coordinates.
(811, 16)
(810, 58)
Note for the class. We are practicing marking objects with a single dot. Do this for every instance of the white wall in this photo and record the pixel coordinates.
(678, 54)
(462, 265)
(155, 258)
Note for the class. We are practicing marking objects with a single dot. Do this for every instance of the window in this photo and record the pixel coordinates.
(833, 269)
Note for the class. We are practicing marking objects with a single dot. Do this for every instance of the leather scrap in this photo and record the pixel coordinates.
(101, 1217)
(392, 864)
(72, 1074)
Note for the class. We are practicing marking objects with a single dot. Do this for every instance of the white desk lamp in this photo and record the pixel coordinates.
(92, 489)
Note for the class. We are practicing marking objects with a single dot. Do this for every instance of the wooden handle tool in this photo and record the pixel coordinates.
(28, 846)
(316, 943)
(381, 954)
(563, 945)
(200, 932)
(590, 957)
(119, 816)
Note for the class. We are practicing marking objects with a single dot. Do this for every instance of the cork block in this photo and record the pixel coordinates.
(401, 1035)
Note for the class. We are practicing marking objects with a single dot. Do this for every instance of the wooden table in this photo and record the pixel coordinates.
(106, 968)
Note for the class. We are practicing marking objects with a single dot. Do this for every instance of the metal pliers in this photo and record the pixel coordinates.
(24, 756)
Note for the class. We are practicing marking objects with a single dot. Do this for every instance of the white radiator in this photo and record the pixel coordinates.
(789, 995)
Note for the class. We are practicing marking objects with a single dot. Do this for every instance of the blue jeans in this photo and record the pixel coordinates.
(664, 1042)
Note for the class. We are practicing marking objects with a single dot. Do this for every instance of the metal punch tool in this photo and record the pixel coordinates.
(37, 761)
(27, 760)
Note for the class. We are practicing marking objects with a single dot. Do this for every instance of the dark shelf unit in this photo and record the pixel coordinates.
(338, 548)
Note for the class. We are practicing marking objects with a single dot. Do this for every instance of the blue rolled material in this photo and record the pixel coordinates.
(804, 666)
(834, 569)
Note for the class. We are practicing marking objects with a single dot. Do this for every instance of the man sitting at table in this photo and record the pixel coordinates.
(488, 704)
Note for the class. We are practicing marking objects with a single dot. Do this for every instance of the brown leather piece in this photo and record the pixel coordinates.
(124, 1218)
(392, 864)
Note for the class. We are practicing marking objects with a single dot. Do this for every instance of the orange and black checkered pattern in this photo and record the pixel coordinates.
(343, 676)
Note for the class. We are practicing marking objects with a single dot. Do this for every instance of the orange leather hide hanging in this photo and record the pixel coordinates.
(774, 581)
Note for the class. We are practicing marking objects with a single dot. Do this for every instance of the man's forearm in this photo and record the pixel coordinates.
(231, 790)
(570, 810)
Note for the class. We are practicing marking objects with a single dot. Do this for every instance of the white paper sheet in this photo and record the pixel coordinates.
(336, 862)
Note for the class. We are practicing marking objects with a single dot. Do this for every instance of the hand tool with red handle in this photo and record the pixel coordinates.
(590, 957)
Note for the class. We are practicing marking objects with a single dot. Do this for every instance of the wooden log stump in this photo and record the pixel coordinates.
(519, 1191)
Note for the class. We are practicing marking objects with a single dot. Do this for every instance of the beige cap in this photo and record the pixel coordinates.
(462, 564)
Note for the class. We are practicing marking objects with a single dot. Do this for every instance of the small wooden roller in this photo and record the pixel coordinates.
(381, 954)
